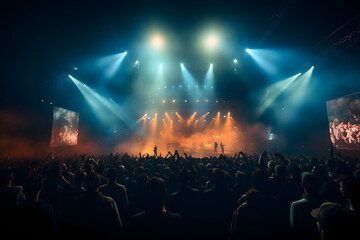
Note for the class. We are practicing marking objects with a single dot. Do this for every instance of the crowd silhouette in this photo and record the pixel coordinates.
(118, 196)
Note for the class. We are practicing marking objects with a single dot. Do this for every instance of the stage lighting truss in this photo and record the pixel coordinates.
(182, 86)
(174, 100)
(168, 115)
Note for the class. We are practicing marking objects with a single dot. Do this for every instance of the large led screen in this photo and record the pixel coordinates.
(344, 121)
(64, 128)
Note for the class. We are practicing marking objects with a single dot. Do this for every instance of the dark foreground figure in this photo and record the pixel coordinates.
(176, 197)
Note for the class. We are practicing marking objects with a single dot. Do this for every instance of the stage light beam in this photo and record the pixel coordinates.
(274, 91)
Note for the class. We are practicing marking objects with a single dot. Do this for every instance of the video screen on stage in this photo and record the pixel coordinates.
(344, 121)
(64, 128)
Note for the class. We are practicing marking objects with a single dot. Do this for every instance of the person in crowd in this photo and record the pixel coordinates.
(156, 222)
(254, 218)
(78, 188)
(219, 204)
(302, 224)
(335, 221)
(280, 187)
(188, 202)
(35, 217)
(54, 187)
(93, 215)
(117, 192)
(10, 196)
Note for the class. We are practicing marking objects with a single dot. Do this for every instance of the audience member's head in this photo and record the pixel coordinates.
(330, 191)
(6, 175)
(92, 182)
(328, 218)
(310, 183)
(156, 193)
(218, 176)
(141, 181)
(350, 188)
(184, 177)
(112, 175)
(259, 179)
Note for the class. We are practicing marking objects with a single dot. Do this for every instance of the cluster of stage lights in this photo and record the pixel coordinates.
(137, 62)
(186, 101)
(147, 116)
(174, 100)
(188, 86)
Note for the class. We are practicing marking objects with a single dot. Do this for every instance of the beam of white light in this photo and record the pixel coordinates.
(98, 102)
(296, 96)
(188, 79)
(209, 77)
(99, 110)
(159, 78)
(111, 64)
(299, 89)
(273, 92)
(266, 59)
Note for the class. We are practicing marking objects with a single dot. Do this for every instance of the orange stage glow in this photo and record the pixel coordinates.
(194, 136)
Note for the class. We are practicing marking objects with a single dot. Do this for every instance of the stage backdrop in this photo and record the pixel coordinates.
(64, 128)
(344, 121)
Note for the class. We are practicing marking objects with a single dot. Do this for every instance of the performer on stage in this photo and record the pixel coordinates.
(215, 147)
(222, 148)
(155, 151)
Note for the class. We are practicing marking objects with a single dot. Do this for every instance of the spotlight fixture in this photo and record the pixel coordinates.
(235, 60)
(137, 62)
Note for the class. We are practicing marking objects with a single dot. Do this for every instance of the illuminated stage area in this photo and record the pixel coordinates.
(199, 134)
